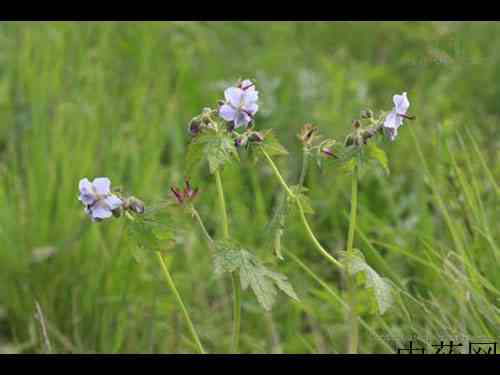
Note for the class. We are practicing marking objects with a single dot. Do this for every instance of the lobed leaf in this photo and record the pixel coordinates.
(380, 287)
(216, 148)
(376, 153)
(230, 257)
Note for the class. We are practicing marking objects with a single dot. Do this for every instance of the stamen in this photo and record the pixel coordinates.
(248, 86)
(407, 116)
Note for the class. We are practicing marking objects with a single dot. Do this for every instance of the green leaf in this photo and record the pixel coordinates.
(230, 257)
(379, 286)
(304, 200)
(376, 153)
(277, 226)
(282, 283)
(227, 258)
(216, 148)
(348, 166)
(150, 234)
(272, 146)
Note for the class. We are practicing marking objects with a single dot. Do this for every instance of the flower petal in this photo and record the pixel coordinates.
(85, 185)
(113, 202)
(247, 85)
(250, 97)
(391, 133)
(87, 195)
(251, 108)
(102, 185)
(242, 119)
(391, 121)
(100, 210)
(227, 112)
(234, 95)
(401, 103)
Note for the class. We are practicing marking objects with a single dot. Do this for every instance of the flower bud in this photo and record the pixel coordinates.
(306, 134)
(117, 212)
(349, 141)
(194, 126)
(367, 113)
(241, 141)
(256, 137)
(327, 151)
(356, 124)
(368, 133)
(136, 205)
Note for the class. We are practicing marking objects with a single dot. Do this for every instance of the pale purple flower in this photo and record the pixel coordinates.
(97, 198)
(241, 104)
(395, 118)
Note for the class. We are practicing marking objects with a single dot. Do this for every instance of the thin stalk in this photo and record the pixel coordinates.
(222, 205)
(305, 160)
(236, 310)
(202, 225)
(352, 344)
(171, 284)
(234, 277)
(309, 231)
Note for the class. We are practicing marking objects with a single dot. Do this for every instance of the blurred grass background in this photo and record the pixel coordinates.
(82, 99)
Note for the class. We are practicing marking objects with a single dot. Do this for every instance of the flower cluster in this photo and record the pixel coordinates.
(387, 124)
(311, 140)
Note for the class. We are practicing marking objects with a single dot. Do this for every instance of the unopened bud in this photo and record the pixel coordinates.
(368, 133)
(194, 126)
(117, 212)
(327, 151)
(240, 141)
(256, 137)
(135, 205)
(306, 134)
(367, 113)
(349, 140)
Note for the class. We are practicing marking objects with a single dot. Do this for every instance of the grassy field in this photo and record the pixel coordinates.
(114, 99)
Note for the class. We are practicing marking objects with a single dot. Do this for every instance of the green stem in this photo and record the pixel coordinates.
(222, 204)
(171, 284)
(202, 225)
(305, 160)
(236, 310)
(278, 175)
(234, 276)
(352, 345)
(313, 238)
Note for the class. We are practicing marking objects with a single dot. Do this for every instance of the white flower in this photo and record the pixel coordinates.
(395, 118)
(97, 198)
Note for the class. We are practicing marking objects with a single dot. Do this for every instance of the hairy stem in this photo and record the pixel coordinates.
(171, 284)
(352, 345)
(197, 216)
(236, 310)
(222, 205)
(303, 171)
(309, 231)
(234, 276)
